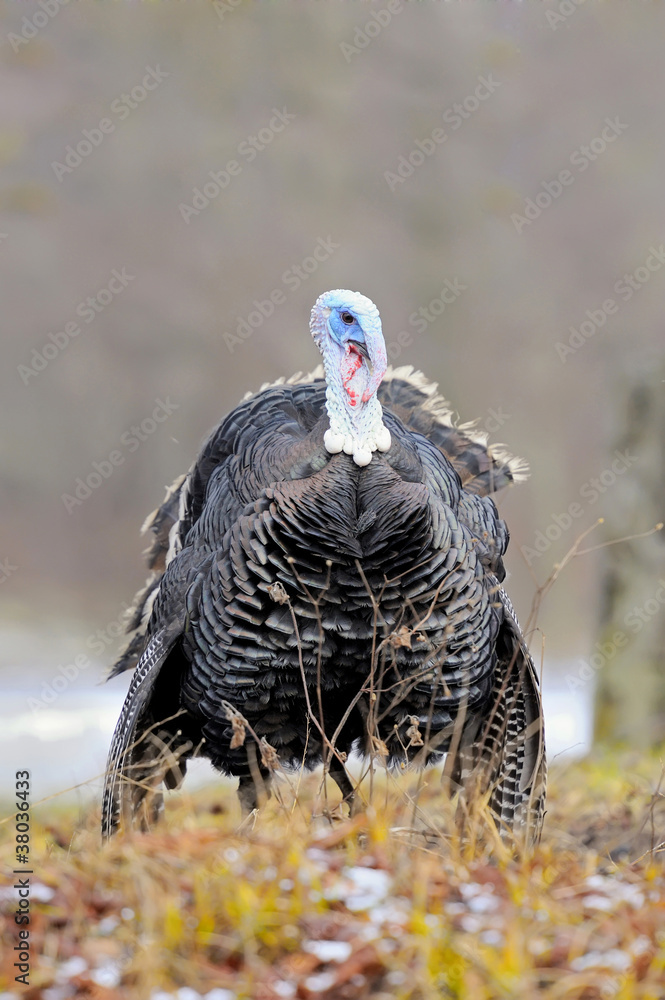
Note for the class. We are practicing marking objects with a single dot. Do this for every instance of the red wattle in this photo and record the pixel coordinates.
(351, 362)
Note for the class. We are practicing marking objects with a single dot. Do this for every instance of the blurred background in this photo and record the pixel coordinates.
(169, 167)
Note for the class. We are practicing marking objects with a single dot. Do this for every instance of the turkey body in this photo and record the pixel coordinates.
(330, 606)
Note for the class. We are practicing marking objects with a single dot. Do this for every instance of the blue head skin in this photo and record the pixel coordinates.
(346, 327)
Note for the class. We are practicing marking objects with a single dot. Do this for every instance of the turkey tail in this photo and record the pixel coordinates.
(513, 739)
(160, 523)
(503, 758)
(143, 753)
(519, 772)
(483, 469)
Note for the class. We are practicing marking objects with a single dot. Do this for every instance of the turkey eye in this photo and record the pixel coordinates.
(347, 318)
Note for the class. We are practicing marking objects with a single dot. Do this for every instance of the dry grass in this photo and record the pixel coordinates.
(297, 906)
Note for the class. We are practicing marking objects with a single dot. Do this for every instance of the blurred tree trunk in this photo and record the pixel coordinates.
(629, 659)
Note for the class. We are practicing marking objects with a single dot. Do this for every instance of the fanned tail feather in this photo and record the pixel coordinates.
(482, 468)
(504, 757)
(141, 755)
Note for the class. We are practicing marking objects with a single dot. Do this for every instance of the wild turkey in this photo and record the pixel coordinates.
(327, 578)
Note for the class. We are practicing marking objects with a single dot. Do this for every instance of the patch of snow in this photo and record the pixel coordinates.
(360, 888)
(483, 904)
(72, 967)
(328, 951)
(107, 925)
(108, 975)
(42, 893)
(614, 890)
(614, 959)
(491, 937)
(596, 902)
(396, 912)
(284, 989)
(640, 945)
(318, 984)
(318, 856)
(479, 898)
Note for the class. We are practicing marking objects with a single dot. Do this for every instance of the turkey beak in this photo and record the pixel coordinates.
(362, 350)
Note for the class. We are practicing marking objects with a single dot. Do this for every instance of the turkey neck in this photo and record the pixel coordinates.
(360, 421)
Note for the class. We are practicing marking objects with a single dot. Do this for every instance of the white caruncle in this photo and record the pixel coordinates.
(359, 438)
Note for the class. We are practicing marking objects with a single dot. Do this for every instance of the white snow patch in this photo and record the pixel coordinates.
(614, 959)
(328, 951)
(360, 888)
(75, 966)
(108, 975)
(318, 984)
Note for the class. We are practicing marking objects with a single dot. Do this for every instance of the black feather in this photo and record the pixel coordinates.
(279, 568)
